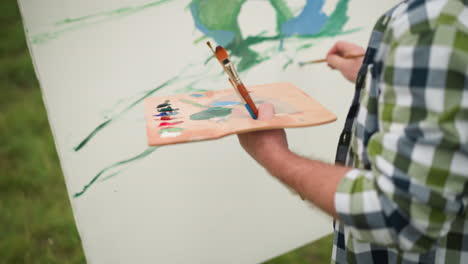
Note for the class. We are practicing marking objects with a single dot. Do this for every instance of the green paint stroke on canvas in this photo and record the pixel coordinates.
(337, 20)
(110, 119)
(140, 156)
(289, 62)
(211, 113)
(283, 12)
(190, 88)
(110, 176)
(223, 26)
(75, 23)
(305, 46)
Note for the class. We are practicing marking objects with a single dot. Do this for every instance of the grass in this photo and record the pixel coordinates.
(36, 220)
(35, 214)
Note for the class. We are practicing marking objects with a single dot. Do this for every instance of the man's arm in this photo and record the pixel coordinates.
(302, 174)
(313, 180)
(416, 186)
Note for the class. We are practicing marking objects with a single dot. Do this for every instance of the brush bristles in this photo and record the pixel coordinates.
(221, 53)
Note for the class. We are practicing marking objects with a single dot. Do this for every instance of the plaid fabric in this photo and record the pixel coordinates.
(406, 136)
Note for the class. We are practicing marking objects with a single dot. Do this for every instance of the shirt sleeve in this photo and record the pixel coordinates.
(417, 184)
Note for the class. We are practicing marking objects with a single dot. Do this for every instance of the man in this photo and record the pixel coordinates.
(402, 196)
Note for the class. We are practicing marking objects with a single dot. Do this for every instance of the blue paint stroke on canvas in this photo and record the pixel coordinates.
(219, 20)
(309, 22)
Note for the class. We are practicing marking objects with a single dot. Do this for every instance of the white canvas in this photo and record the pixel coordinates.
(205, 202)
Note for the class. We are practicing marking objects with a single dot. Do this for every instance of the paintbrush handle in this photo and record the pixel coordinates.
(245, 94)
(315, 61)
(354, 56)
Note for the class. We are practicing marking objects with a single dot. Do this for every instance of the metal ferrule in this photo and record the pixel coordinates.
(231, 71)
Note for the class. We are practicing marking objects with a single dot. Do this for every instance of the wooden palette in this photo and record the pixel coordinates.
(214, 114)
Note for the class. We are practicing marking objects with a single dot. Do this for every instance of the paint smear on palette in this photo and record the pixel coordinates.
(192, 103)
(165, 104)
(196, 95)
(166, 114)
(281, 107)
(170, 132)
(220, 119)
(225, 103)
(171, 129)
(162, 124)
(211, 113)
(167, 109)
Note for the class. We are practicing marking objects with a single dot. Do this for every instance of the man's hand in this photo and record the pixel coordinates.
(261, 145)
(349, 68)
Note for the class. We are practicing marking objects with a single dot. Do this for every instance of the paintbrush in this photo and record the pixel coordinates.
(223, 58)
(325, 60)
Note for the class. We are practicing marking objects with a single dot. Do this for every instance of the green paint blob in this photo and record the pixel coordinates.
(211, 112)
(171, 130)
(219, 15)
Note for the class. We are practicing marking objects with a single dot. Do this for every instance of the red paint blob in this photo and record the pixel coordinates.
(170, 124)
(165, 118)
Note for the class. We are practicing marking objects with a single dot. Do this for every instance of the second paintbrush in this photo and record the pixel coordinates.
(223, 58)
(325, 60)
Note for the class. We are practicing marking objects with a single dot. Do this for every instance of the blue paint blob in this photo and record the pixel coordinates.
(309, 22)
(167, 113)
(225, 103)
(222, 37)
(252, 114)
(197, 95)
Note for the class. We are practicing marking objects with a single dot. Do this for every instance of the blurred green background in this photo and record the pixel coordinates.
(36, 221)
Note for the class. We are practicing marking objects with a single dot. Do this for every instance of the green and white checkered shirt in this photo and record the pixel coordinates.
(406, 137)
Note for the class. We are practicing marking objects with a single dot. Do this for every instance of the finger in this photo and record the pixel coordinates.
(343, 48)
(339, 48)
(266, 112)
(333, 50)
(335, 61)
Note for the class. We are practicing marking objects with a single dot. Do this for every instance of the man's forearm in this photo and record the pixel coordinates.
(314, 180)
